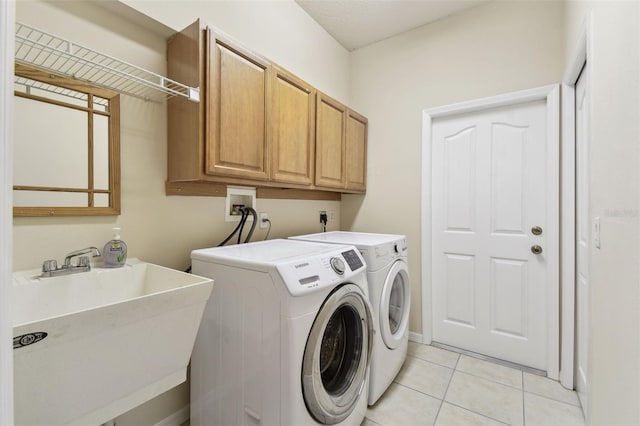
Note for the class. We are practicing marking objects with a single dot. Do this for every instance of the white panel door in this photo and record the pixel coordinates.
(490, 177)
(582, 240)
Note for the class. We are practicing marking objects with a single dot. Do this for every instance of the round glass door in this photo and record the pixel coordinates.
(336, 355)
(394, 305)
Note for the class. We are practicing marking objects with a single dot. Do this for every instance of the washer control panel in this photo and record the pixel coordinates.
(320, 271)
(353, 259)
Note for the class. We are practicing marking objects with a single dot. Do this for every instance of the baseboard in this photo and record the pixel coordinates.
(177, 418)
(415, 337)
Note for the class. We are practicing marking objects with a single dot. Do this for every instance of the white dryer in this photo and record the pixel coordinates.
(390, 297)
(285, 338)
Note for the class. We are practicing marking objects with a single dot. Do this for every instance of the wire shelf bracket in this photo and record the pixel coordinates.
(55, 54)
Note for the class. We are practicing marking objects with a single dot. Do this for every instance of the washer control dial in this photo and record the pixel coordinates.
(337, 265)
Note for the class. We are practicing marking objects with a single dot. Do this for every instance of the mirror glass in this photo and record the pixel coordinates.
(66, 146)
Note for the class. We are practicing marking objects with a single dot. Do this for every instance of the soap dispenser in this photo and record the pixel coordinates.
(115, 251)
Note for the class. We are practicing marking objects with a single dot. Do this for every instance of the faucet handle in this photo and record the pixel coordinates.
(49, 265)
(83, 261)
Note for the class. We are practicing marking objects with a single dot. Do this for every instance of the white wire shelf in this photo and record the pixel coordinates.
(52, 53)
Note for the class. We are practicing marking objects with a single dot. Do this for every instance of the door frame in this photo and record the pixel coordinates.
(550, 94)
(7, 36)
(579, 59)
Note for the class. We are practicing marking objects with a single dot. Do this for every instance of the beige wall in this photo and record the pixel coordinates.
(279, 30)
(158, 228)
(613, 60)
(491, 49)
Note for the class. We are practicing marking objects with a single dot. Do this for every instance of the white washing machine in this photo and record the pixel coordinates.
(390, 297)
(285, 338)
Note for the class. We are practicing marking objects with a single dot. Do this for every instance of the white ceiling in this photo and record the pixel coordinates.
(357, 23)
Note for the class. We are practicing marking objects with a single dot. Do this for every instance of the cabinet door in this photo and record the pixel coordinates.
(292, 129)
(330, 142)
(356, 152)
(238, 92)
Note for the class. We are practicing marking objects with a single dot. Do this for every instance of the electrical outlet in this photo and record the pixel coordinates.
(264, 217)
(323, 216)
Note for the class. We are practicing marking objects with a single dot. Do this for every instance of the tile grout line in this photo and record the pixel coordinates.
(522, 388)
(473, 375)
(369, 420)
(433, 362)
(453, 371)
(554, 399)
(477, 414)
(490, 359)
(490, 380)
(417, 390)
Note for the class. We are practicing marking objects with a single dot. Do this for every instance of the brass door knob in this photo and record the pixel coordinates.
(536, 249)
(536, 230)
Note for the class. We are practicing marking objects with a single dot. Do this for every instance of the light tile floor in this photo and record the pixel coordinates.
(443, 388)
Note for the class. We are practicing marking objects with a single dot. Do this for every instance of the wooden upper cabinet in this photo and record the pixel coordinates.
(356, 152)
(341, 147)
(331, 118)
(238, 91)
(292, 138)
(256, 124)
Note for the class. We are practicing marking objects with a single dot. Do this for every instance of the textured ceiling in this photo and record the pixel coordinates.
(357, 23)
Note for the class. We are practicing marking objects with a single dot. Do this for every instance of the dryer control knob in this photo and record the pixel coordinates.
(337, 265)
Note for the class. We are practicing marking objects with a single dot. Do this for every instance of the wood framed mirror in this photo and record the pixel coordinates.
(67, 146)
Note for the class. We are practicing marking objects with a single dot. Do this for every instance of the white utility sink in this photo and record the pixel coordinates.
(115, 338)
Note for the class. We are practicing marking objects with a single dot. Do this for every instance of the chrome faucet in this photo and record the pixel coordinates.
(67, 260)
(50, 267)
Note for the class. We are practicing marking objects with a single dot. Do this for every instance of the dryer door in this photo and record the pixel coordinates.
(394, 305)
(336, 357)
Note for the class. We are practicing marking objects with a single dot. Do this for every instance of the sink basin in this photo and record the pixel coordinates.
(91, 346)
